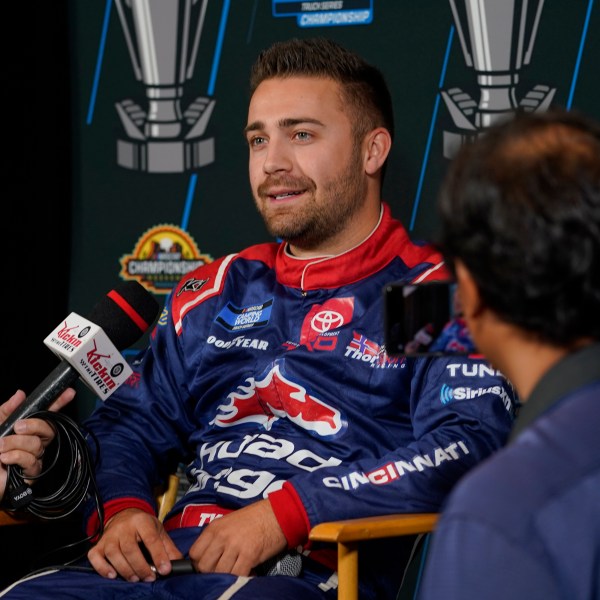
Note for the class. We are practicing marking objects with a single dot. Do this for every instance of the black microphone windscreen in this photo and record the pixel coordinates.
(125, 313)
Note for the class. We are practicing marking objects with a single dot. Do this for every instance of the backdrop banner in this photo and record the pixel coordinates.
(161, 94)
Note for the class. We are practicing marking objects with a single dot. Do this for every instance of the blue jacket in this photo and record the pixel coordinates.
(525, 524)
(267, 375)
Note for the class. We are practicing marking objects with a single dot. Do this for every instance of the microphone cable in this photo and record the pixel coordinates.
(64, 484)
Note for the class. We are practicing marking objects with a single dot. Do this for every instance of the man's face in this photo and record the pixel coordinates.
(306, 170)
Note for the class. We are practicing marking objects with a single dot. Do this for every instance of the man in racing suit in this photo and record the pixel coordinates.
(268, 376)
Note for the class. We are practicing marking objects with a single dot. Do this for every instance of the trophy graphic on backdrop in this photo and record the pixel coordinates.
(163, 39)
(497, 39)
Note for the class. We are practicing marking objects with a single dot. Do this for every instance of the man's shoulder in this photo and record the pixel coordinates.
(216, 270)
(265, 252)
(417, 254)
(485, 489)
(208, 280)
(519, 480)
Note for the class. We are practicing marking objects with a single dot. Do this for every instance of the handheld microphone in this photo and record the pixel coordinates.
(286, 563)
(90, 348)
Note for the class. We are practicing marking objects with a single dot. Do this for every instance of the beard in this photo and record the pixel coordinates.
(324, 214)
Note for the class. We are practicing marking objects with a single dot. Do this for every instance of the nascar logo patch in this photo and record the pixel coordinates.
(234, 318)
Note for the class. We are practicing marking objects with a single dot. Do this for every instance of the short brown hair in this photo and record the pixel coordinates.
(363, 86)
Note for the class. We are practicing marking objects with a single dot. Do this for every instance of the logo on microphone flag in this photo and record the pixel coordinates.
(86, 347)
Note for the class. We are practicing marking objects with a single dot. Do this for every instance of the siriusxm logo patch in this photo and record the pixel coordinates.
(448, 394)
(234, 318)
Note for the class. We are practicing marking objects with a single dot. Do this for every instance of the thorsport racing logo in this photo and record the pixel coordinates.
(365, 350)
(276, 397)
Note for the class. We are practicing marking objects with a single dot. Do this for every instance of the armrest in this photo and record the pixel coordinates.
(367, 528)
(347, 535)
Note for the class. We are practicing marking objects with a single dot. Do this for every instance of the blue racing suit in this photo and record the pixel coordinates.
(268, 376)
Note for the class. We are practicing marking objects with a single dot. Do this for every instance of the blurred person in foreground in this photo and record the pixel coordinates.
(520, 227)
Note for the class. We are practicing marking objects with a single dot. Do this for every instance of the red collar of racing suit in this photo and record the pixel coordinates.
(388, 240)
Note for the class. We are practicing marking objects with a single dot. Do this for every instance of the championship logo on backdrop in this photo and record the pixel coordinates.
(497, 40)
(327, 13)
(163, 40)
(162, 256)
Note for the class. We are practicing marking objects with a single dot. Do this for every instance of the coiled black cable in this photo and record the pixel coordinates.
(67, 478)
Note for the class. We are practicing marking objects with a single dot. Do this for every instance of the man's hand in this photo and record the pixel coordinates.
(118, 551)
(25, 447)
(238, 541)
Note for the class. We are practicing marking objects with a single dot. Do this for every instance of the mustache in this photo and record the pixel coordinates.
(293, 183)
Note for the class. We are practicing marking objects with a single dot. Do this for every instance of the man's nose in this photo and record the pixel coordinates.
(278, 156)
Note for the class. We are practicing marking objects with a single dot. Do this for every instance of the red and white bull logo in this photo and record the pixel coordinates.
(276, 397)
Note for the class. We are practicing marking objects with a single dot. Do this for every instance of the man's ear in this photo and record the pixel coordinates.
(377, 147)
(468, 292)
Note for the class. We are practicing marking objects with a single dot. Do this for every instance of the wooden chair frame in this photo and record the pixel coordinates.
(166, 500)
(348, 535)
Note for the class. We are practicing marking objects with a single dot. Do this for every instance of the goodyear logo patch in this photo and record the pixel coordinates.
(234, 318)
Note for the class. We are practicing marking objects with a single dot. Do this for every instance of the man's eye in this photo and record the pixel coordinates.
(303, 135)
(256, 141)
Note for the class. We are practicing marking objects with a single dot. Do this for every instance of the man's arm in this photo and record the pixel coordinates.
(239, 541)
(460, 413)
(119, 550)
(449, 441)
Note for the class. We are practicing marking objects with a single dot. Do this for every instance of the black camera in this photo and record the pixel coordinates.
(425, 319)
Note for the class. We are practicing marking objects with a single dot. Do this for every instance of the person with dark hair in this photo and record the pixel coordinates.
(267, 374)
(520, 226)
